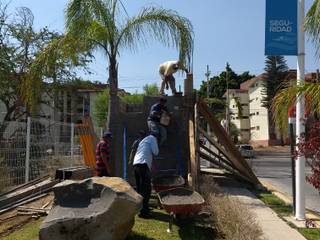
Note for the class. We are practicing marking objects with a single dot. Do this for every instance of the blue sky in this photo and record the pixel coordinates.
(225, 31)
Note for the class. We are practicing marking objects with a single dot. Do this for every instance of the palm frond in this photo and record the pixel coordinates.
(159, 24)
(286, 99)
(81, 13)
(44, 68)
(282, 103)
(312, 24)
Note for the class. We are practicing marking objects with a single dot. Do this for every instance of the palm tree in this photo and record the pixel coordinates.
(99, 24)
(106, 26)
(286, 99)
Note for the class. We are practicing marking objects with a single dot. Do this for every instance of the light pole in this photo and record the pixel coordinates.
(208, 93)
(300, 128)
(227, 107)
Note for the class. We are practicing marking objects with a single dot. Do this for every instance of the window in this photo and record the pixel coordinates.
(233, 106)
(257, 113)
(245, 117)
(257, 99)
(244, 104)
(245, 130)
(258, 127)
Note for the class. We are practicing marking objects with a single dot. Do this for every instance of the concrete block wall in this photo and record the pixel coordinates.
(174, 154)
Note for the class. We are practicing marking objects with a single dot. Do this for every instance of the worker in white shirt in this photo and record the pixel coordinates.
(166, 71)
(148, 147)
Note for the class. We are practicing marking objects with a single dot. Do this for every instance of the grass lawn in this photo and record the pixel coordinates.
(28, 232)
(282, 209)
(144, 229)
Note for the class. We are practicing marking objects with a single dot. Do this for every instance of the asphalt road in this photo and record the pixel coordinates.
(276, 170)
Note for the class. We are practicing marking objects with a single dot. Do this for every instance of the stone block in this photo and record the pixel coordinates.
(93, 209)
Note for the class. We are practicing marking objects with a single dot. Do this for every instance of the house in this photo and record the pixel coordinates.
(255, 121)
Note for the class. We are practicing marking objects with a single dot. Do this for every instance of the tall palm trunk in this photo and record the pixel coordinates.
(113, 122)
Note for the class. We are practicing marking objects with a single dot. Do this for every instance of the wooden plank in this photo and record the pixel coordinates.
(22, 194)
(23, 201)
(192, 152)
(214, 143)
(230, 169)
(232, 152)
(197, 146)
(228, 163)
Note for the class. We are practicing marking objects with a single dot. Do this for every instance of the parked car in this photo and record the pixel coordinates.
(246, 150)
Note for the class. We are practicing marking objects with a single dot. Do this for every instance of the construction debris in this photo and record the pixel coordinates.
(74, 173)
(26, 193)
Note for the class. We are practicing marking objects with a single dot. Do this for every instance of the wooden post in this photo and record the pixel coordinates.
(193, 168)
(196, 173)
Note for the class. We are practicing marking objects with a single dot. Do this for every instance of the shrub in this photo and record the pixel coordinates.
(134, 99)
(232, 219)
(309, 147)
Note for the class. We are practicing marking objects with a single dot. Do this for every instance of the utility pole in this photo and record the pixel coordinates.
(208, 93)
(300, 129)
(228, 102)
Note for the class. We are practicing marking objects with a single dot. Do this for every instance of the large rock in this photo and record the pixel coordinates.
(92, 209)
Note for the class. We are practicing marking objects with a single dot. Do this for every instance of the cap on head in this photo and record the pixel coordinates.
(107, 134)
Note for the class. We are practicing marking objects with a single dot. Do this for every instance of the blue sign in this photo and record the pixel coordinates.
(281, 27)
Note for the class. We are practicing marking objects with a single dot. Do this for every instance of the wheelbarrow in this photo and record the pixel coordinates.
(166, 182)
(180, 201)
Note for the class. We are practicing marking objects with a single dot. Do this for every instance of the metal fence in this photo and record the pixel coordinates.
(35, 148)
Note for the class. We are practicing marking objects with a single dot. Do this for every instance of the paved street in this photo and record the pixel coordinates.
(276, 170)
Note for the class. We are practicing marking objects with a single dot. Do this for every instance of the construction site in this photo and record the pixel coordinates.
(178, 164)
(93, 148)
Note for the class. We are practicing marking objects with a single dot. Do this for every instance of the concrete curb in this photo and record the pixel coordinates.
(288, 200)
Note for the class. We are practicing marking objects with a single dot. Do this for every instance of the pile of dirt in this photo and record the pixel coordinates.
(180, 196)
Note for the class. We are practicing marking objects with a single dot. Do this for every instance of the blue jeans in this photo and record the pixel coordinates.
(158, 128)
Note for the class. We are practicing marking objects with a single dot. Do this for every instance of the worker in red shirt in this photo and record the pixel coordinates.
(103, 156)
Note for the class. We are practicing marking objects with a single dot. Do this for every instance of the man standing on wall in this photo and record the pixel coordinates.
(147, 149)
(166, 71)
(103, 156)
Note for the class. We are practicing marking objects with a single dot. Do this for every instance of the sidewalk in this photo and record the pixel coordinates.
(288, 200)
(272, 226)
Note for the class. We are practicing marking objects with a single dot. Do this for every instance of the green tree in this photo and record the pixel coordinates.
(100, 110)
(20, 44)
(276, 70)
(218, 84)
(151, 90)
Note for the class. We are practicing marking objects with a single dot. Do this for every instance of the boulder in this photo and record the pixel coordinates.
(98, 208)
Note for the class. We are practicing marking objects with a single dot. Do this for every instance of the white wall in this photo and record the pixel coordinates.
(258, 114)
(243, 124)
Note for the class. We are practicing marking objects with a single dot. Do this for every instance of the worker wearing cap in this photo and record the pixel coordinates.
(147, 149)
(154, 124)
(166, 71)
(103, 155)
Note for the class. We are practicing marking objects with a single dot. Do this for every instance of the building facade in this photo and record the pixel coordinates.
(255, 121)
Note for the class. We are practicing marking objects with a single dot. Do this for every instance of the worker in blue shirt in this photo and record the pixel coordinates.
(154, 124)
(147, 149)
